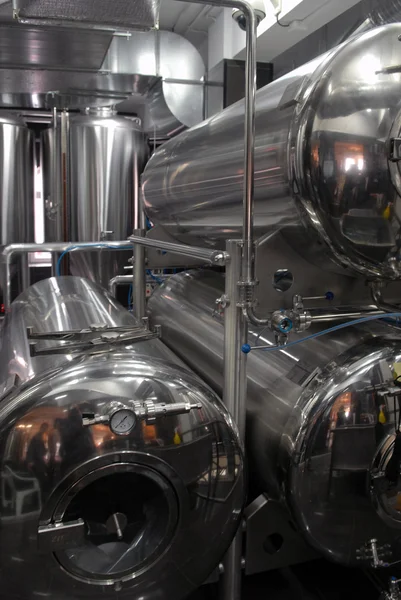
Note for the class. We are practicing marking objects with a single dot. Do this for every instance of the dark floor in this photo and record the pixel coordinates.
(318, 580)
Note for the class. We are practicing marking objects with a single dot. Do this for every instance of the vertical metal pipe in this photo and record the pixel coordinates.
(139, 280)
(6, 284)
(55, 196)
(234, 395)
(248, 263)
(54, 261)
(64, 191)
(248, 266)
(25, 279)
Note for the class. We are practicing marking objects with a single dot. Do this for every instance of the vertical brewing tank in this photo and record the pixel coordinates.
(91, 187)
(16, 181)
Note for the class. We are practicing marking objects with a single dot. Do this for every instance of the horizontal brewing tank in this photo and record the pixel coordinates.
(96, 499)
(92, 184)
(16, 180)
(324, 171)
(318, 437)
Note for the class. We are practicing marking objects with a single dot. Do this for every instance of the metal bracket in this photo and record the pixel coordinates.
(272, 542)
(60, 536)
(87, 340)
(395, 150)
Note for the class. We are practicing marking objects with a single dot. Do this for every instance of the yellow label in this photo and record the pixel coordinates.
(397, 370)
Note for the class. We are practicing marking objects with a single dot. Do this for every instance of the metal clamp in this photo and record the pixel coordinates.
(395, 150)
(374, 553)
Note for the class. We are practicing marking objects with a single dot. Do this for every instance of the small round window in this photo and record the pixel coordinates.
(282, 280)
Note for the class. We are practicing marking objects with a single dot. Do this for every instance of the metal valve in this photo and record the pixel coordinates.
(393, 592)
(122, 418)
(375, 553)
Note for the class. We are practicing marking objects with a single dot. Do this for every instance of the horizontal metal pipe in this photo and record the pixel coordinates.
(8, 252)
(214, 257)
(341, 316)
(12, 249)
(119, 280)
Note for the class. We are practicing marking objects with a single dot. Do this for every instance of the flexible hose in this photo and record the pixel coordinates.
(130, 297)
(246, 348)
(78, 247)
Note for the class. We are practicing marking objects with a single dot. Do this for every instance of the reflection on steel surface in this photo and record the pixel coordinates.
(322, 163)
(149, 513)
(323, 422)
(107, 155)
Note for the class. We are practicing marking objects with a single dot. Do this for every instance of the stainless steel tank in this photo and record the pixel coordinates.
(102, 495)
(327, 163)
(320, 438)
(16, 182)
(92, 186)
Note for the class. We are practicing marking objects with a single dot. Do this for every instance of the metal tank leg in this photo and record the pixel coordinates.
(25, 279)
(54, 261)
(234, 396)
(139, 282)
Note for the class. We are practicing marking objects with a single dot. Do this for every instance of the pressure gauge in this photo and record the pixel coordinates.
(123, 421)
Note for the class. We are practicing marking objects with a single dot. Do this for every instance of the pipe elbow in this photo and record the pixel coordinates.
(249, 314)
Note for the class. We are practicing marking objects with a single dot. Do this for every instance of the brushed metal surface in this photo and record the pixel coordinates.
(117, 13)
(16, 181)
(52, 48)
(322, 169)
(313, 428)
(175, 487)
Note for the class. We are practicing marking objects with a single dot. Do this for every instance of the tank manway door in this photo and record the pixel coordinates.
(112, 522)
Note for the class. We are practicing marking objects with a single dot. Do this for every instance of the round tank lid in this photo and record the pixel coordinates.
(340, 481)
(386, 479)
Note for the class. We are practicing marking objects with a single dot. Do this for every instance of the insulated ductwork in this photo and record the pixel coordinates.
(76, 68)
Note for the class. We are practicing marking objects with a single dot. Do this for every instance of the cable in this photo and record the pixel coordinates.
(154, 277)
(246, 348)
(95, 245)
(130, 297)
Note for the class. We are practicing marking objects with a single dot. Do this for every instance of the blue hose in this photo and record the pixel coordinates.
(130, 297)
(246, 348)
(95, 245)
(154, 277)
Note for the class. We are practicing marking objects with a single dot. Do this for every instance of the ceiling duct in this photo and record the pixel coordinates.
(76, 68)
(386, 11)
(176, 99)
(379, 12)
(114, 14)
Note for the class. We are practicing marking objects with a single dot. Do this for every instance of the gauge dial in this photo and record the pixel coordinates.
(123, 421)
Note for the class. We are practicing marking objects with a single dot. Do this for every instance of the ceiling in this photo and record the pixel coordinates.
(188, 19)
